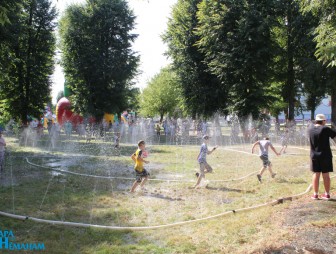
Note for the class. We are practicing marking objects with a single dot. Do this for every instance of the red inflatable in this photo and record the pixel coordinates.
(64, 113)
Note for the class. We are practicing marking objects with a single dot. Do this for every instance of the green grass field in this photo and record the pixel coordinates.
(46, 194)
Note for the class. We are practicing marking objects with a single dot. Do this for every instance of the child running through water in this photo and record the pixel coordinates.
(141, 175)
(201, 158)
(263, 155)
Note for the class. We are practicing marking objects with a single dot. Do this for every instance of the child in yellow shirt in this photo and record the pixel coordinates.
(141, 174)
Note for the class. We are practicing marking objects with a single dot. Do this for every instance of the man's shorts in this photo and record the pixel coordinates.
(265, 160)
(203, 166)
(140, 175)
(321, 165)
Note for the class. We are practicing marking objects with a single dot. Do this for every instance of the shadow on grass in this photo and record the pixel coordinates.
(160, 196)
(225, 189)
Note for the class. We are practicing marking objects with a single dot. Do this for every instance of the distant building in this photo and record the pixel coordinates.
(323, 108)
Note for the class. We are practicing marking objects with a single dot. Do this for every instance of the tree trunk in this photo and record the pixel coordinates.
(312, 114)
(333, 104)
(23, 110)
(243, 126)
(290, 83)
(277, 124)
(313, 109)
(27, 83)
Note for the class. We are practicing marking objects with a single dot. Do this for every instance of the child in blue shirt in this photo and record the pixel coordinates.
(201, 158)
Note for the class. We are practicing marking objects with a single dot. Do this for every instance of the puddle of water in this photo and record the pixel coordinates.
(55, 173)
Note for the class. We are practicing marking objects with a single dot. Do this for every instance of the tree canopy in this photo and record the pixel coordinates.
(202, 90)
(326, 30)
(236, 39)
(244, 56)
(98, 61)
(228, 56)
(27, 44)
(162, 94)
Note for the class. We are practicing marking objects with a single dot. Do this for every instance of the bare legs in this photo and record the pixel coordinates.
(142, 183)
(199, 179)
(262, 170)
(326, 182)
(144, 180)
(283, 150)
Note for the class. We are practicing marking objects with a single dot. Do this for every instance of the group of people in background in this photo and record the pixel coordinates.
(169, 131)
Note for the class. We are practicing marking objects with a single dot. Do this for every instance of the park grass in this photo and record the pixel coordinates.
(40, 193)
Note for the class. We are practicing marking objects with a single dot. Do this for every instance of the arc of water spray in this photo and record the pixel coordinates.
(128, 178)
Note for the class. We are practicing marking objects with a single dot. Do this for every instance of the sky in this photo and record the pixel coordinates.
(151, 22)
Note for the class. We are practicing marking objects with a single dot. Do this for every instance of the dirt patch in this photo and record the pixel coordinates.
(309, 233)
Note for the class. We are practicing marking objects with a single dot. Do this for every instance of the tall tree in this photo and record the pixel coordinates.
(203, 92)
(27, 48)
(162, 94)
(326, 30)
(6, 8)
(98, 61)
(314, 77)
(236, 39)
(325, 33)
(294, 36)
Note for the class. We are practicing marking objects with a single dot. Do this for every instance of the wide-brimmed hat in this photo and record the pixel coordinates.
(320, 117)
(206, 137)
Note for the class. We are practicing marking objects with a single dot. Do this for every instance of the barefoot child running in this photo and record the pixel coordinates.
(263, 155)
(141, 174)
(204, 166)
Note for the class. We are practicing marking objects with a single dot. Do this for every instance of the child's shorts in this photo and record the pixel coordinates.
(203, 166)
(140, 175)
(265, 160)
